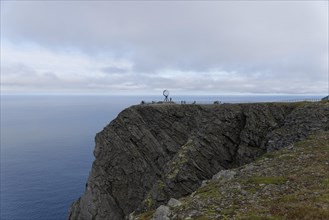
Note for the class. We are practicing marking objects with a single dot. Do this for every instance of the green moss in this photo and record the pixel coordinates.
(146, 216)
(203, 218)
(209, 211)
(160, 184)
(301, 211)
(323, 198)
(180, 160)
(290, 198)
(209, 191)
(267, 155)
(251, 190)
(149, 202)
(288, 157)
(256, 216)
(325, 182)
(268, 180)
(228, 211)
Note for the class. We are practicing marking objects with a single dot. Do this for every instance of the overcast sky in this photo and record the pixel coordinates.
(136, 47)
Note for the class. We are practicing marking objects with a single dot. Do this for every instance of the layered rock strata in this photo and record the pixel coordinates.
(151, 153)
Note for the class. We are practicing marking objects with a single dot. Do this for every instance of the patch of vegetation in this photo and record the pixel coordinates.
(267, 155)
(210, 211)
(209, 191)
(160, 184)
(149, 202)
(146, 216)
(325, 182)
(180, 160)
(301, 211)
(228, 211)
(203, 218)
(257, 216)
(268, 180)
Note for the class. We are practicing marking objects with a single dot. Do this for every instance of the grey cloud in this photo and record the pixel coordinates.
(50, 76)
(150, 82)
(17, 69)
(278, 40)
(114, 70)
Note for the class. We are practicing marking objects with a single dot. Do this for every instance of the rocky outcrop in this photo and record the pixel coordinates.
(151, 153)
(291, 183)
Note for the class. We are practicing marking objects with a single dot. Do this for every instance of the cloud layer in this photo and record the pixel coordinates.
(209, 47)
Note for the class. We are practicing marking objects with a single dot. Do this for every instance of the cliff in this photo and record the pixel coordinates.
(151, 153)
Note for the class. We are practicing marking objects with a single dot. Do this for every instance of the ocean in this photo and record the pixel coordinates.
(47, 144)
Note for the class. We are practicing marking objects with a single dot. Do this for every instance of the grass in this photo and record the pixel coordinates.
(268, 180)
(203, 218)
(208, 191)
(228, 211)
(325, 182)
(256, 216)
(308, 192)
(146, 216)
(301, 211)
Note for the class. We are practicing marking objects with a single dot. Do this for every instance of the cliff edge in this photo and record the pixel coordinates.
(151, 153)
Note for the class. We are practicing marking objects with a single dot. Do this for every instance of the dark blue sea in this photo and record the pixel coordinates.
(47, 147)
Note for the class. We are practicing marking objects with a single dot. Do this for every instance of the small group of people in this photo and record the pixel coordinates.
(184, 102)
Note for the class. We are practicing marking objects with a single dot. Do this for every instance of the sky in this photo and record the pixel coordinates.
(144, 47)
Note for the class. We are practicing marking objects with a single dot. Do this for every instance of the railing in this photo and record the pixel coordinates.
(301, 100)
(183, 102)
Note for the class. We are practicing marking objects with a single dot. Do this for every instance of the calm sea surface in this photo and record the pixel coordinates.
(47, 147)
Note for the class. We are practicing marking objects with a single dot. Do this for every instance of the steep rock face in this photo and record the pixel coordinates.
(151, 153)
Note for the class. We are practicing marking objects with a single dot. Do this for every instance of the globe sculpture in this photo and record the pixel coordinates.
(166, 94)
